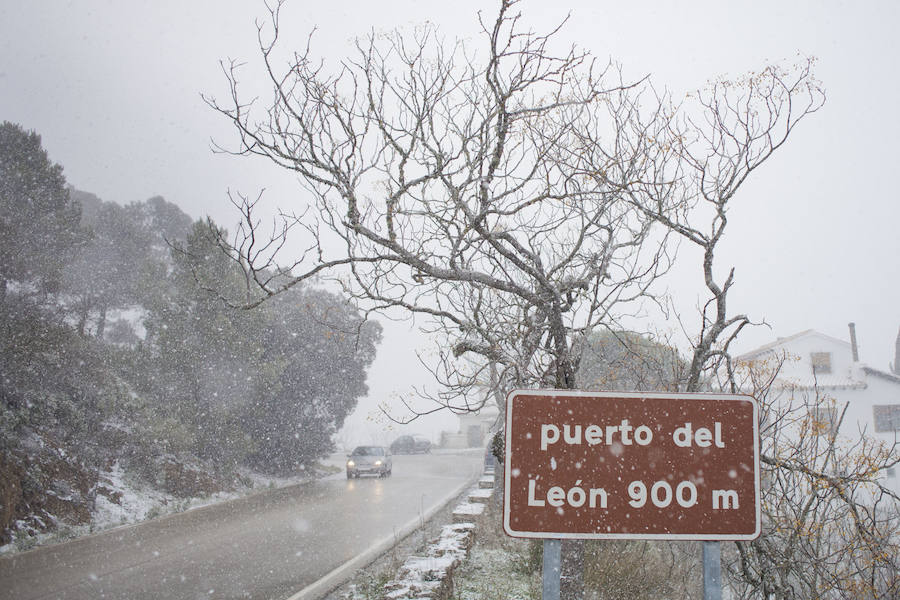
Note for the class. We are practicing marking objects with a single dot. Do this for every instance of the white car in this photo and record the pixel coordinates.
(372, 460)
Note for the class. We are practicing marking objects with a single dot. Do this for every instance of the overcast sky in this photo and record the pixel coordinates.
(113, 87)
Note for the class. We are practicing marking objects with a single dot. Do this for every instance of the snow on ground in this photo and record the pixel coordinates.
(141, 502)
(429, 576)
(487, 575)
(470, 559)
(138, 502)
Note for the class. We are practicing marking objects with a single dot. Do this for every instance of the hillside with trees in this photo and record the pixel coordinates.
(118, 352)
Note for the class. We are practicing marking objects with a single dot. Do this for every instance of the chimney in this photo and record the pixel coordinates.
(853, 345)
(897, 355)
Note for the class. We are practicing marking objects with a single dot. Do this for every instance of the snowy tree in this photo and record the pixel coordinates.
(624, 360)
(50, 380)
(449, 184)
(105, 272)
(317, 350)
(163, 222)
(39, 224)
(201, 358)
(264, 387)
(55, 387)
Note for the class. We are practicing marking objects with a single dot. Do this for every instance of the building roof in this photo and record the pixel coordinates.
(822, 380)
(882, 374)
(772, 346)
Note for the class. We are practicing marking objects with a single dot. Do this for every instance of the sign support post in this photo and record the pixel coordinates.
(552, 568)
(712, 571)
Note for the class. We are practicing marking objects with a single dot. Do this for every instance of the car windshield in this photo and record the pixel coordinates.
(368, 451)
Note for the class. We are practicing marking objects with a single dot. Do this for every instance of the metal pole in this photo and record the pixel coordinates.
(552, 569)
(712, 571)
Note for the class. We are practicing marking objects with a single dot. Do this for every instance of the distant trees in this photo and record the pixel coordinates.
(625, 360)
(200, 359)
(266, 387)
(105, 272)
(317, 350)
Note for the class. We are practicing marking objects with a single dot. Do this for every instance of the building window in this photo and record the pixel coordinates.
(887, 417)
(821, 362)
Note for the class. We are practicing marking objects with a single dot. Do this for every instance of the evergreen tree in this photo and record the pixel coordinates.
(317, 351)
(201, 356)
(629, 361)
(39, 224)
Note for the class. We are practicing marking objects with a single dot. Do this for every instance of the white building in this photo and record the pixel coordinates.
(475, 428)
(817, 364)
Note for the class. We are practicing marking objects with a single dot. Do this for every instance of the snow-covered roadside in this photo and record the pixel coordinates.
(470, 559)
(135, 501)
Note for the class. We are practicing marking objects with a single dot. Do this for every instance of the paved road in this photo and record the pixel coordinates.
(267, 546)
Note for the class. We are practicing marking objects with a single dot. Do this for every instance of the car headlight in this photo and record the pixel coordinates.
(377, 463)
(350, 463)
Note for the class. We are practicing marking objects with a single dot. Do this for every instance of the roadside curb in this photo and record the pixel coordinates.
(344, 572)
(430, 576)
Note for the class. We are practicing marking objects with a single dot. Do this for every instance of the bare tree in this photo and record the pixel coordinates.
(721, 135)
(518, 198)
(440, 184)
(829, 526)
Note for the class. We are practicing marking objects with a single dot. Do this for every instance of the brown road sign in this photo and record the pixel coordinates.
(599, 465)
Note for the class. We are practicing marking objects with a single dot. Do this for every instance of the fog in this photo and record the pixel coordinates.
(114, 89)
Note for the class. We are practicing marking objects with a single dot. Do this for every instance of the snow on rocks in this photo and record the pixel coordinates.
(467, 511)
(475, 503)
(431, 576)
(480, 495)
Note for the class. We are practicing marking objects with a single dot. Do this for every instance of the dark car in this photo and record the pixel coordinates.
(411, 444)
(372, 460)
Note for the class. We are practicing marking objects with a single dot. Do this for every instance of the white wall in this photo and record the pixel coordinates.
(847, 384)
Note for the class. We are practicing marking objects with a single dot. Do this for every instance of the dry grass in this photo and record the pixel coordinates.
(504, 568)
(499, 567)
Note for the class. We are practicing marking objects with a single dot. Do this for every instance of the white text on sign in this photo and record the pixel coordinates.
(641, 435)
